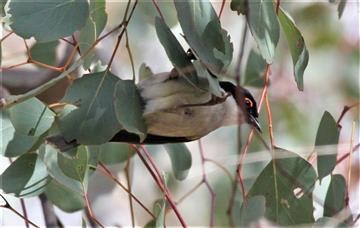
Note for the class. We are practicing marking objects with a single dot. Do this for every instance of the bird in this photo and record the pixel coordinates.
(176, 111)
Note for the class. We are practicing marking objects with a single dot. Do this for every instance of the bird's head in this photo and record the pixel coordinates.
(246, 101)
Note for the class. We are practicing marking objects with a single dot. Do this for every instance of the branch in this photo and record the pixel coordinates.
(8, 206)
(51, 220)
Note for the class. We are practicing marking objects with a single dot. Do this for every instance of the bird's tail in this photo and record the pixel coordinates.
(59, 142)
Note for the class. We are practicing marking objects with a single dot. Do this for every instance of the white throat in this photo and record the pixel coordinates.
(233, 114)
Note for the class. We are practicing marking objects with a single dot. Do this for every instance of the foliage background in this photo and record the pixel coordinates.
(331, 81)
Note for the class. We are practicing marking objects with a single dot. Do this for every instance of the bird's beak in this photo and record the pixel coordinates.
(255, 123)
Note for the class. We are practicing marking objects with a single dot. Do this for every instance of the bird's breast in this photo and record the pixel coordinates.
(191, 122)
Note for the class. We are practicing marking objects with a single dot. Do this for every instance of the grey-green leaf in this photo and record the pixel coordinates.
(75, 167)
(31, 117)
(174, 50)
(255, 70)
(204, 34)
(128, 108)
(45, 52)
(298, 50)
(335, 196)
(327, 138)
(66, 199)
(112, 153)
(94, 121)
(252, 211)
(278, 182)
(47, 20)
(94, 26)
(144, 72)
(181, 160)
(341, 7)
(25, 177)
(241, 6)
(264, 27)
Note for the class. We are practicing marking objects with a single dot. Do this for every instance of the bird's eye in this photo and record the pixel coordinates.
(248, 102)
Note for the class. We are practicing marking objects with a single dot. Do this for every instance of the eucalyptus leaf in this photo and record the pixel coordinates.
(94, 25)
(112, 153)
(327, 135)
(47, 20)
(50, 157)
(2, 5)
(94, 121)
(335, 196)
(181, 160)
(144, 72)
(14, 143)
(255, 70)
(64, 198)
(278, 183)
(341, 7)
(298, 50)
(264, 27)
(203, 32)
(252, 211)
(174, 51)
(75, 167)
(31, 117)
(129, 109)
(25, 177)
(45, 52)
(241, 6)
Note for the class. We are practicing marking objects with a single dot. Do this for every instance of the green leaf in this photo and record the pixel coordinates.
(25, 177)
(327, 135)
(144, 72)
(95, 24)
(159, 209)
(94, 121)
(341, 7)
(174, 51)
(207, 81)
(112, 153)
(298, 50)
(264, 27)
(241, 6)
(47, 20)
(255, 70)
(252, 211)
(204, 34)
(335, 196)
(277, 183)
(51, 157)
(129, 109)
(64, 198)
(14, 143)
(2, 5)
(31, 117)
(75, 167)
(181, 160)
(45, 52)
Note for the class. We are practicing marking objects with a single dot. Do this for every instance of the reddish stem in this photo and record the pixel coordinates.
(221, 8)
(158, 9)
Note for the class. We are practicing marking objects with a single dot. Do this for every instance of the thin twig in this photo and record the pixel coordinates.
(128, 181)
(344, 111)
(89, 211)
(221, 8)
(127, 45)
(158, 9)
(125, 23)
(207, 184)
(108, 173)
(6, 36)
(51, 220)
(158, 180)
(277, 7)
(181, 199)
(23, 207)
(8, 206)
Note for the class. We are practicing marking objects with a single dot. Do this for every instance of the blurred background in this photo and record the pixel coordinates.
(331, 81)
